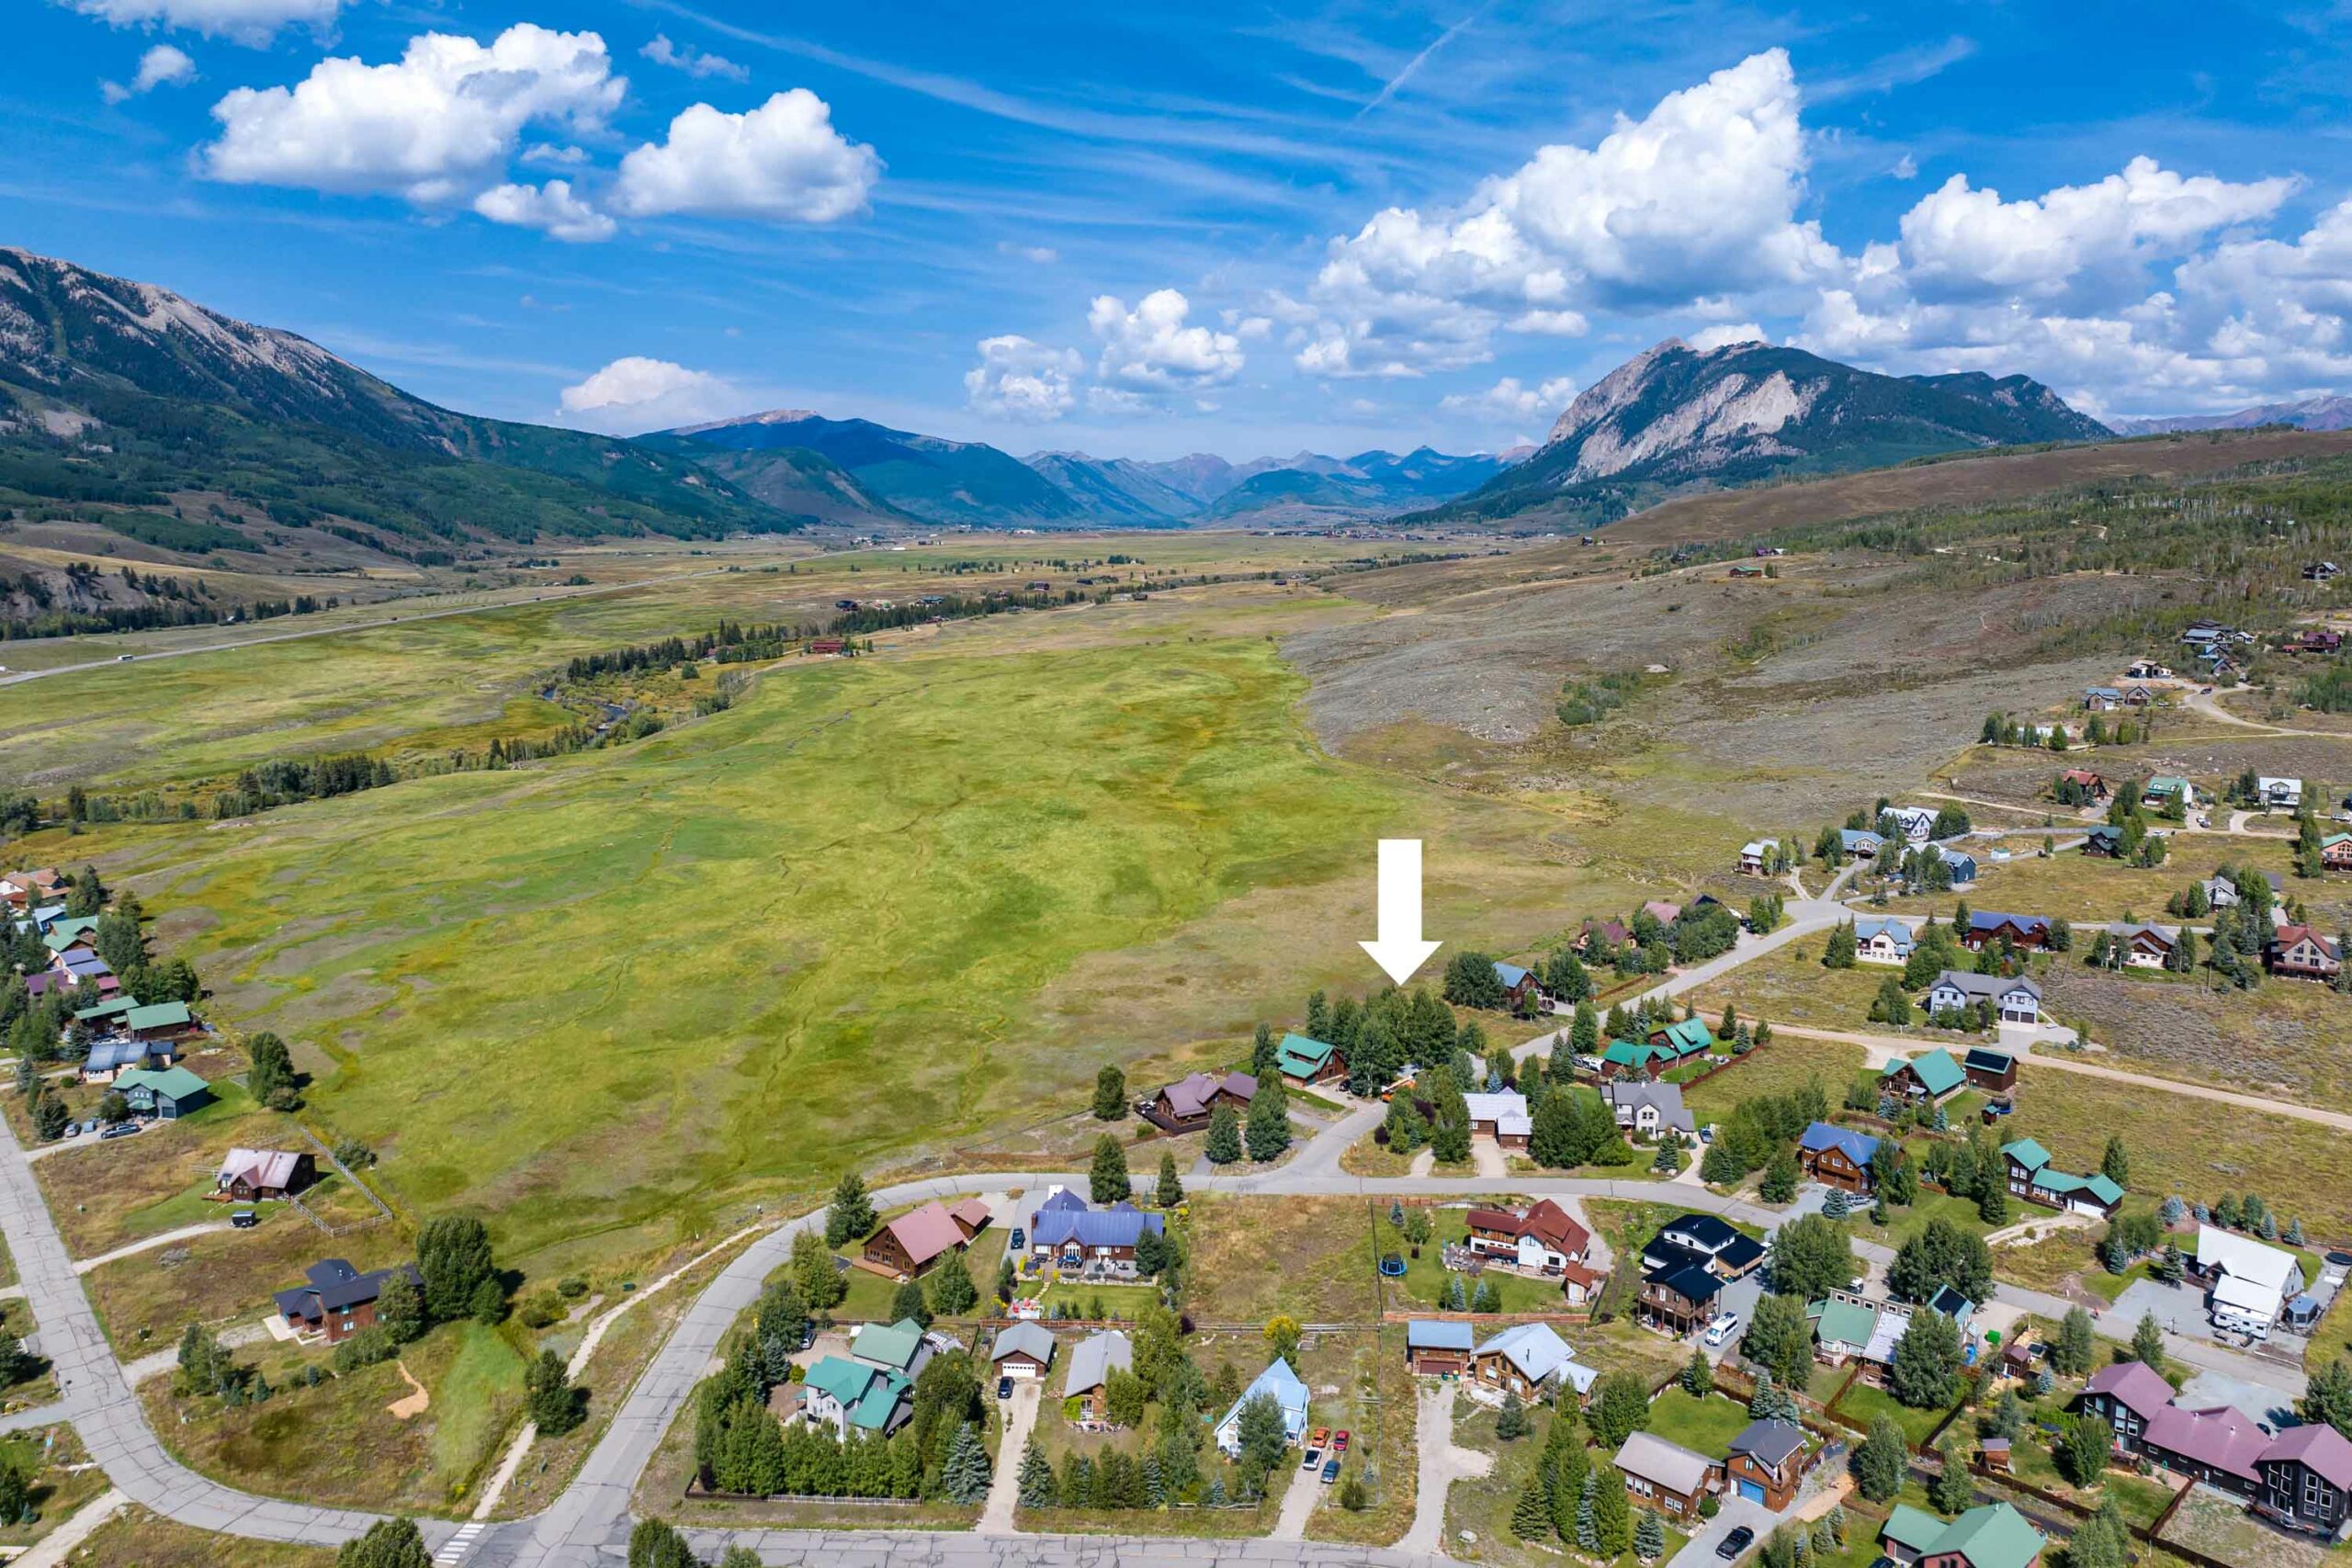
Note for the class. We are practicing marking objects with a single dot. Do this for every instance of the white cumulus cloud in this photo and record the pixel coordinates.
(633, 394)
(1697, 198)
(551, 209)
(1019, 379)
(781, 161)
(243, 21)
(1724, 334)
(692, 61)
(160, 66)
(437, 125)
(1151, 349)
(1509, 399)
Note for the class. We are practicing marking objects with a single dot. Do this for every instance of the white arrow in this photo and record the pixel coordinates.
(1401, 949)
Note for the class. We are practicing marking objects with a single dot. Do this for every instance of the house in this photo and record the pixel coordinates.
(1520, 987)
(855, 1396)
(2090, 782)
(163, 1020)
(1580, 1283)
(2322, 571)
(2140, 946)
(2335, 851)
(1290, 1394)
(1075, 1236)
(1932, 1076)
(1523, 1360)
(1635, 1058)
(1678, 1295)
(2015, 1001)
(167, 1094)
(2104, 841)
(1661, 911)
(1767, 1462)
(1916, 823)
(1091, 1363)
(2221, 893)
(1993, 1535)
(1543, 1239)
(1883, 939)
(107, 1014)
(2300, 953)
(1730, 1253)
(2165, 789)
(1838, 1156)
(1990, 1069)
(2035, 1180)
(336, 1300)
(2279, 794)
(2025, 932)
(1961, 867)
(1435, 1347)
(902, 1347)
(2217, 1444)
(1842, 1330)
(1502, 1116)
(1754, 855)
(1663, 1476)
(1686, 1037)
(1303, 1062)
(2126, 1396)
(2148, 670)
(2102, 699)
(1859, 844)
(2318, 640)
(251, 1175)
(108, 1059)
(914, 1241)
(1024, 1350)
(2247, 1283)
(1610, 933)
(1645, 1111)
(2307, 1479)
(1186, 1105)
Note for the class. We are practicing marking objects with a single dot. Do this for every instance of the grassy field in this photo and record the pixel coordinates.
(1311, 1258)
(1425, 1276)
(698, 964)
(338, 1443)
(137, 1539)
(2093, 889)
(1360, 1385)
(1704, 1425)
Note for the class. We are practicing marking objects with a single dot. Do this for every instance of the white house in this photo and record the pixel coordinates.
(1883, 939)
(1916, 822)
(2014, 1000)
(2280, 794)
(1753, 856)
(1288, 1393)
(2248, 1283)
(1502, 1116)
(1646, 1110)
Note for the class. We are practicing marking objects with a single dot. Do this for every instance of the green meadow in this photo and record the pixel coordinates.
(879, 909)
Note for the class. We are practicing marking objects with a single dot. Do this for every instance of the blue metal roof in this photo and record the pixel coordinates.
(1856, 1146)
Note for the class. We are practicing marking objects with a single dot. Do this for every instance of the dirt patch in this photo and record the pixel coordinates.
(416, 1402)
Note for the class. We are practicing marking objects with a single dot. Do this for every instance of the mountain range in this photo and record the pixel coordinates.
(2326, 411)
(126, 405)
(1677, 418)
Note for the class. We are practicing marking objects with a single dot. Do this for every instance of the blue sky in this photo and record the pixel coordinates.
(1148, 229)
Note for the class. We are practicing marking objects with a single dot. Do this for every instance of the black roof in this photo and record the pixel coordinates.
(1691, 1281)
(1740, 1252)
(1662, 1257)
(1705, 1231)
(1770, 1441)
(334, 1285)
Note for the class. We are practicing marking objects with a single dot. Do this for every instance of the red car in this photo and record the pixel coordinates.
(1340, 1444)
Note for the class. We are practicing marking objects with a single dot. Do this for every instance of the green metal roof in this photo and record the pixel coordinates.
(174, 1083)
(890, 1345)
(106, 1010)
(1936, 1070)
(1843, 1323)
(162, 1015)
(2027, 1153)
(1633, 1052)
(1993, 1536)
(1689, 1037)
(1906, 1526)
(1300, 1057)
(2164, 784)
(2063, 1181)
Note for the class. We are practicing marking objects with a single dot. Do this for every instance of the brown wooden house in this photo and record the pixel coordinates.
(1838, 1156)
(1437, 1346)
(1767, 1463)
(2302, 953)
(336, 1300)
(249, 1176)
(1990, 1069)
(1186, 1105)
(919, 1237)
(1666, 1476)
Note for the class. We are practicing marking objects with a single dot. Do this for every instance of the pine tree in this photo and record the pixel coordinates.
(1588, 1514)
(1224, 1145)
(1649, 1536)
(1108, 1180)
(1268, 1128)
(1699, 1377)
(851, 1214)
(1110, 1093)
(1950, 1491)
(1512, 1423)
(1171, 1187)
(1881, 1461)
(965, 1477)
(2148, 1343)
(1612, 1518)
(1530, 1517)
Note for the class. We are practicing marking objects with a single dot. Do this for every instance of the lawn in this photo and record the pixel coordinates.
(1704, 1425)
(1311, 1258)
(1788, 1063)
(948, 875)
(1425, 1276)
(63, 1479)
(1482, 1506)
(1359, 1383)
(1789, 984)
(338, 1445)
(1865, 1404)
(2086, 889)
(145, 1299)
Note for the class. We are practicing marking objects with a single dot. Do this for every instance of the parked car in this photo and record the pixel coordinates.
(1019, 1240)
(1321, 1439)
(1732, 1545)
(1314, 1457)
(1330, 1471)
(1720, 1331)
(120, 1130)
(1340, 1442)
(244, 1219)
(1004, 1388)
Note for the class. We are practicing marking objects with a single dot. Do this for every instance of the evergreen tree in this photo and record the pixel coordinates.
(2148, 1343)
(453, 1255)
(1926, 1370)
(2328, 1396)
(909, 1304)
(1108, 1180)
(1699, 1377)
(1530, 1517)
(1110, 1093)
(2070, 1353)
(1268, 1129)
(2115, 1163)
(397, 1543)
(1613, 1519)
(1512, 1423)
(1589, 1514)
(952, 1291)
(1649, 1536)
(1224, 1145)
(1170, 1190)
(1881, 1461)
(851, 1216)
(555, 1406)
(965, 1477)
(1951, 1492)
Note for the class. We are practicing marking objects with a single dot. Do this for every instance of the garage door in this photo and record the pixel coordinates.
(1751, 1492)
